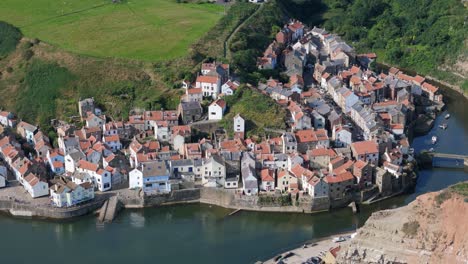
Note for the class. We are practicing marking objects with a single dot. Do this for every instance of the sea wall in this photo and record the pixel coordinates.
(31, 210)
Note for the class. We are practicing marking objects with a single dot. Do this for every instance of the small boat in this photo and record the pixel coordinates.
(339, 239)
(443, 126)
(447, 116)
(431, 150)
(434, 139)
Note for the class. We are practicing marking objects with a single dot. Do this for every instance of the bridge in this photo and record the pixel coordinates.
(444, 160)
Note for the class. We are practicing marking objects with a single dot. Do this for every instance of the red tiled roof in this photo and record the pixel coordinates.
(207, 79)
(342, 177)
(364, 147)
(267, 175)
(86, 165)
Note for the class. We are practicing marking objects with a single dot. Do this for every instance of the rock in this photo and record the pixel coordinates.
(408, 235)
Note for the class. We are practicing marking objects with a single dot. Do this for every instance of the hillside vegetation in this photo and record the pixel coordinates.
(148, 30)
(258, 110)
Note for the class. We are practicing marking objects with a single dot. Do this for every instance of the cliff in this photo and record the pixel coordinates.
(431, 229)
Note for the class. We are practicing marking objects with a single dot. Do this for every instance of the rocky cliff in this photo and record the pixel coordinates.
(431, 229)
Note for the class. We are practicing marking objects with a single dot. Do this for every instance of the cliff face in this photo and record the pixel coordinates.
(432, 229)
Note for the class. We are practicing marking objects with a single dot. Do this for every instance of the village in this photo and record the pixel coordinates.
(346, 138)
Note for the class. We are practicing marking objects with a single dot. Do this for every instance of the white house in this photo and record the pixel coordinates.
(249, 180)
(213, 171)
(102, 179)
(239, 124)
(341, 136)
(366, 151)
(316, 187)
(229, 87)
(151, 177)
(65, 193)
(95, 121)
(35, 186)
(268, 180)
(216, 110)
(7, 119)
(210, 85)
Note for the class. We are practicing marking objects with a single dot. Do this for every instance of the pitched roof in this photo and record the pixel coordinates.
(364, 147)
(267, 175)
(342, 177)
(207, 79)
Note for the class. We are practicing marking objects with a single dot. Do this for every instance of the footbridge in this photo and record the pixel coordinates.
(444, 160)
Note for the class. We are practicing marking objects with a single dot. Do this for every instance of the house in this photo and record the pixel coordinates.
(249, 180)
(72, 159)
(102, 179)
(56, 161)
(232, 174)
(270, 57)
(35, 186)
(213, 171)
(181, 166)
(65, 193)
(229, 87)
(113, 142)
(297, 29)
(383, 180)
(366, 151)
(151, 177)
(193, 95)
(190, 111)
(86, 106)
(310, 139)
(287, 182)
(210, 85)
(26, 131)
(3, 176)
(239, 125)
(320, 157)
(268, 180)
(363, 172)
(216, 110)
(7, 119)
(289, 142)
(341, 136)
(339, 184)
(316, 187)
(319, 120)
(93, 120)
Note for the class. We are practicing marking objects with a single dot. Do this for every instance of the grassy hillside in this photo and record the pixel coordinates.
(258, 110)
(149, 30)
(39, 82)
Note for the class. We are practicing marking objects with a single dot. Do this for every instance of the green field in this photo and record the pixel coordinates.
(148, 30)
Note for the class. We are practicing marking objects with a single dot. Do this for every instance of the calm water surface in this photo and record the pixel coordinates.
(205, 234)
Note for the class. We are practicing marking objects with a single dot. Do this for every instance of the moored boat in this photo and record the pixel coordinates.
(447, 116)
(443, 126)
(434, 139)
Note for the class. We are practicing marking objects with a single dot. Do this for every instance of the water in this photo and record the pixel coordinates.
(204, 234)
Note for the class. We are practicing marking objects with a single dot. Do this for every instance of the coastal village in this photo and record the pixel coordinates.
(346, 139)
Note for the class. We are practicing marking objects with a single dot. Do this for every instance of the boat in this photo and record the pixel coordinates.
(434, 139)
(431, 150)
(443, 126)
(339, 239)
(447, 116)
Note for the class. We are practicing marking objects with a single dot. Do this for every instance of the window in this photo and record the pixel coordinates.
(148, 185)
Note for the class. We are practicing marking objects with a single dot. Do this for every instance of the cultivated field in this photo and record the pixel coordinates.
(137, 29)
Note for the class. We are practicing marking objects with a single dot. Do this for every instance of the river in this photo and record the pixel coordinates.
(199, 233)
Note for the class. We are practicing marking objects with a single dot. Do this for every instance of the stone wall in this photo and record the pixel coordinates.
(177, 196)
(30, 210)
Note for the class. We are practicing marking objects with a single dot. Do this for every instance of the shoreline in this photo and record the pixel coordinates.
(314, 247)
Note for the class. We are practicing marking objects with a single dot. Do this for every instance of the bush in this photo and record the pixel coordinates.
(442, 197)
(410, 228)
(9, 38)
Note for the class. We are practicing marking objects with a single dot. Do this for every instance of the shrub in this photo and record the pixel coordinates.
(442, 197)
(9, 38)
(410, 228)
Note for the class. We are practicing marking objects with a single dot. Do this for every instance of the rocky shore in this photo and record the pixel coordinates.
(432, 229)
